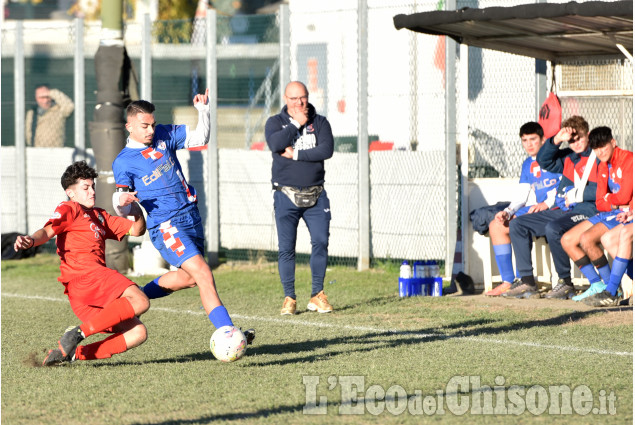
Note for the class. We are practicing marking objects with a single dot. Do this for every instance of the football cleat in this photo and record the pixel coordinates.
(595, 288)
(561, 291)
(69, 341)
(603, 299)
(55, 357)
(523, 290)
(499, 290)
(250, 335)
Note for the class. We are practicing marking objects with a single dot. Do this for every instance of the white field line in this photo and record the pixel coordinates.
(293, 322)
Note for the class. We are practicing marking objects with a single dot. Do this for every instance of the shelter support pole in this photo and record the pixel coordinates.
(363, 259)
(450, 148)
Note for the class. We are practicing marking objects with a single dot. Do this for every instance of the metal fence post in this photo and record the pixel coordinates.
(79, 81)
(363, 260)
(541, 80)
(450, 147)
(213, 210)
(463, 137)
(285, 49)
(20, 142)
(146, 59)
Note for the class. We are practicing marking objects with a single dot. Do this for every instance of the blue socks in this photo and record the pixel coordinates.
(220, 317)
(619, 268)
(587, 269)
(589, 272)
(503, 255)
(153, 290)
(602, 265)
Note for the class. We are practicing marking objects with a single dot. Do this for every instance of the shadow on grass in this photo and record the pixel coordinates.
(187, 358)
(312, 350)
(390, 339)
(262, 413)
(374, 302)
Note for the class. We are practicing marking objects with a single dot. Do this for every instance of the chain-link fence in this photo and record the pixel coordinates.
(411, 174)
(503, 91)
(51, 65)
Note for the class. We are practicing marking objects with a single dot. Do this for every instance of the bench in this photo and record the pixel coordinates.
(481, 264)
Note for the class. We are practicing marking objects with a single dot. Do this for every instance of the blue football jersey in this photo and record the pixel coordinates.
(155, 173)
(614, 185)
(541, 181)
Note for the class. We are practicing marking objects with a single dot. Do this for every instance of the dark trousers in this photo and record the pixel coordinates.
(551, 224)
(317, 219)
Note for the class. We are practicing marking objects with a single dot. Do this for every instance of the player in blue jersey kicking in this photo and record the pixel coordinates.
(147, 170)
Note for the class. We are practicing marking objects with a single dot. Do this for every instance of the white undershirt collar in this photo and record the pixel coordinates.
(134, 145)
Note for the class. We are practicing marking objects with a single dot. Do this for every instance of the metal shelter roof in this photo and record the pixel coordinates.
(555, 32)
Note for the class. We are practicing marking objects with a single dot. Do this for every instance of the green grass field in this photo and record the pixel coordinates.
(376, 359)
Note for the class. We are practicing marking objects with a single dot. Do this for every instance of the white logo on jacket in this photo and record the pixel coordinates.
(305, 141)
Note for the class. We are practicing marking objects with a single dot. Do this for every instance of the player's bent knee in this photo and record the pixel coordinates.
(555, 233)
(140, 303)
(189, 283)
(567, 241)
(586, 241)
(136, 336)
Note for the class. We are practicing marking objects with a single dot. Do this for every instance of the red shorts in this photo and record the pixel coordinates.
(91, 292)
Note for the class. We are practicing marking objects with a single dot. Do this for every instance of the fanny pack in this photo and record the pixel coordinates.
(303, 198)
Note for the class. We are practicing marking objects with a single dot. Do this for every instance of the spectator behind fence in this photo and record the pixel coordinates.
(300, 140)
(536, 192)
(614, 195)
(575, 202)
(46, 122)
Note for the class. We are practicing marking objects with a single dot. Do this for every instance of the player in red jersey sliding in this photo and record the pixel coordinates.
(102, 298)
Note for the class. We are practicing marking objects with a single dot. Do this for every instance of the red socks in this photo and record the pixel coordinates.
(114, 344)
(114, 313)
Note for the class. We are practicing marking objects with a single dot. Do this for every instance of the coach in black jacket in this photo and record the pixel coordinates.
(300, 140)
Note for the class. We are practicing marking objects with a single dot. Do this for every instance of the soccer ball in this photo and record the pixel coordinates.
(228, 344)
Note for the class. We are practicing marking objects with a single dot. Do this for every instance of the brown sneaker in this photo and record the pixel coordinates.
(288, 307)
(499, 290)
(319, 303)
(524, 290)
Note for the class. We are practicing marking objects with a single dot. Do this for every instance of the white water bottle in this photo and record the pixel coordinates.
(434, 269)
(404, 270)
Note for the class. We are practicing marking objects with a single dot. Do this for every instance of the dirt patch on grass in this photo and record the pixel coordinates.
(246, 266)
(603, 316)
(607, 318)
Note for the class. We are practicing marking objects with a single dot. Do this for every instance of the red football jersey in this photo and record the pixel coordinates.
(81, 237)
(615, 181)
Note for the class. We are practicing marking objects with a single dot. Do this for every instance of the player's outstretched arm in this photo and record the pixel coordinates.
(139, 226)
(122, 201)
(38, 238)
(202, 98)
(200, 136)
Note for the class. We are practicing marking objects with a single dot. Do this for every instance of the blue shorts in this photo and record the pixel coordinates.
(522, 211)
(607, 218)
(180, 238)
